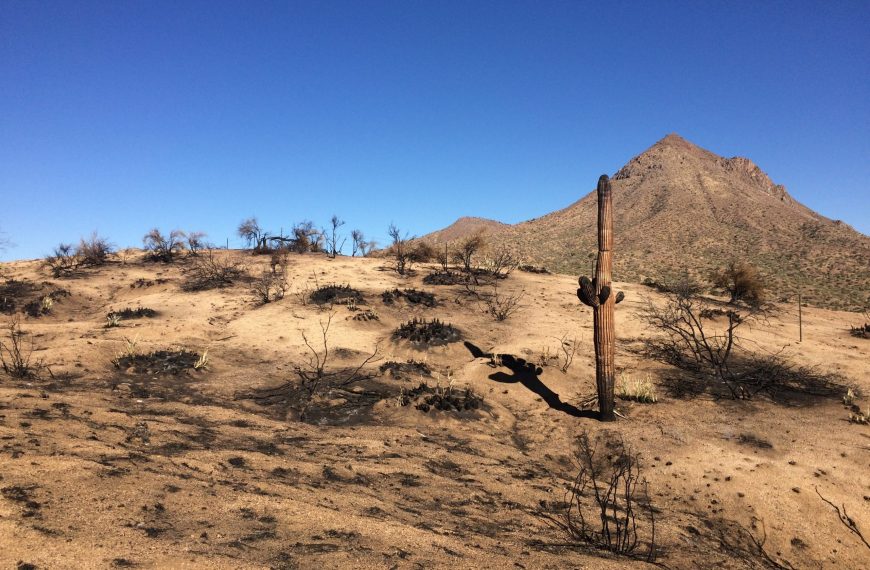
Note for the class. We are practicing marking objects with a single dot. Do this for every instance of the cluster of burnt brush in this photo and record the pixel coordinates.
(304, 237)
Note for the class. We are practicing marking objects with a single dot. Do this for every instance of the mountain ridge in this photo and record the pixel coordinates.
(680, 207)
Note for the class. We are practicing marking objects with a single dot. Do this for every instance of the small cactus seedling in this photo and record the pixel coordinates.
(596, 293)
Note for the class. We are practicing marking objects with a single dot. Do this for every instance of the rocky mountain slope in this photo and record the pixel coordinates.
(678, 207)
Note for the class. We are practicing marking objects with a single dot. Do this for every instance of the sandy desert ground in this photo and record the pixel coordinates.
(103, 467)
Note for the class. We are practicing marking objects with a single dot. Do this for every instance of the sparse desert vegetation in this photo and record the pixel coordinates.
(273, 412)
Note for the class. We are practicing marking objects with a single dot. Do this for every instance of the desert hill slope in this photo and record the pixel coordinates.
(117, 461)
(110, 463)
(678, 206)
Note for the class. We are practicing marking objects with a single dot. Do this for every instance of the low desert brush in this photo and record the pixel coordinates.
(202, 361)
(637, 389)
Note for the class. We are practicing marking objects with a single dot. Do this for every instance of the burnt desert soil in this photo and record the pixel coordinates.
(158, 466)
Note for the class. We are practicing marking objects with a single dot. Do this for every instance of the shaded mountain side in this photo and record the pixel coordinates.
(679, 206)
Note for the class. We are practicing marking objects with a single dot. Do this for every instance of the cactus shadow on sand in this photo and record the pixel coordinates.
(527, 374)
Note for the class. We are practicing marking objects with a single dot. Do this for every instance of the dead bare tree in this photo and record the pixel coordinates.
(466, 249)
(500, 263)
(250, 231)
(400, 248)
(333, 248)
(358, 243)
(195, 242)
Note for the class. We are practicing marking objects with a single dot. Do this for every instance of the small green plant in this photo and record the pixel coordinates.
(637, 389)
(46, 304)
(113, 320)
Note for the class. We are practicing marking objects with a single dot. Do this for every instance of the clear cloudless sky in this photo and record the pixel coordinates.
(124, 115)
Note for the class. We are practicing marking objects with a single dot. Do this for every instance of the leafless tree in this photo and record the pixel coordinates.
(195, 242)
(501, 262)
(250, 231)
(466, 249)
(400, 249)
(368, 246)
(358, 240)
(333, 247)
(442, 256)
(306, 237)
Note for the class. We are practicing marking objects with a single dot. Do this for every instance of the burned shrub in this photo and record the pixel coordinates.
(43, 305)
(699, 339)
(94, 250)
(533, 269)
(366, 315)
(445, 278)
(405, 370)
(12, 291)
(607, 503)
(431, 332)
(336, 295)
(66, 259)
(500, 306)
(158, 362)
(16, 355)
(271, 286)
(129, 313)
(412, 296)
(163, 248)
(862, 331)
(210, 271)
(142, 283)
(444, 399)
(500, 263)
(466, 250)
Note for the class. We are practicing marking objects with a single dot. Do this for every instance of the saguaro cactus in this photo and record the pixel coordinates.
(596, 293)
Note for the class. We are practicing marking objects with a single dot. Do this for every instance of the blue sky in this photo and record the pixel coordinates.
(121, 116)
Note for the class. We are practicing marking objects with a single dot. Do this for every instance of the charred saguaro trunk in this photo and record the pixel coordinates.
(596, 293)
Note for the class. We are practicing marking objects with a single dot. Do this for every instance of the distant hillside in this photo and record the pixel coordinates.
(679, 206)
(463, 227)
